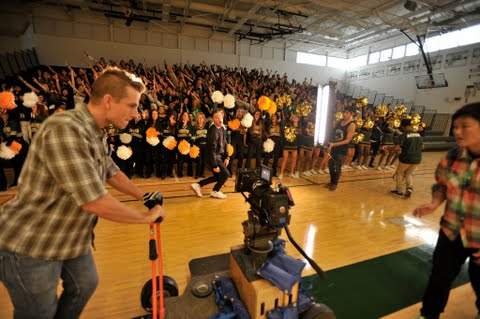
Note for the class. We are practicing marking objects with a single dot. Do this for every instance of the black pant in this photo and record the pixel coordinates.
(448, 259)
(254, 149)
(335, 166)
(201, 160)
(220, 178)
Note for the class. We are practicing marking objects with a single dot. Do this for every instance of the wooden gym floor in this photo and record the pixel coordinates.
(358, 222)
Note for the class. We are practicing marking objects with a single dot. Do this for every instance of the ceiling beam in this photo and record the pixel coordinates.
(253, 10)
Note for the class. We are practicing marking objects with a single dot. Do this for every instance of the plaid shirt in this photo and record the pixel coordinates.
(67, 166)
(458, 177)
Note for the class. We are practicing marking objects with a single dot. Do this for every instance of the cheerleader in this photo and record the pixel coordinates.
(238, 137)
(168, 156)
(200, 140)
(306, 148)
(290, 147)
(343, 133)
(364, 145)
(152, 152)
(138, 131)
(275, 133)
(387, 150)
(184, 132)
(255, 136)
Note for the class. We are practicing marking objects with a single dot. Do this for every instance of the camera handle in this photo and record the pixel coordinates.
(312, 262)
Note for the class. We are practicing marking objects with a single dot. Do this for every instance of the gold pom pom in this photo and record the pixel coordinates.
(304, 109)
(273, 108)
(290, 134)
(381, 110)
(264, 103)
(359, 122)
(184, 147)
(234, 124)
(194, 151)
(357, 138)
(230, 150)
(152, 132)
(338, 116)
(362, 101)
(368, 124)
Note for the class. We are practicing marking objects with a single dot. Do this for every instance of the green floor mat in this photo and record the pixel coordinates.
(376, 287)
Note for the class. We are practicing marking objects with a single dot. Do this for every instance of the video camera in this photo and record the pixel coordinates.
(269, 209)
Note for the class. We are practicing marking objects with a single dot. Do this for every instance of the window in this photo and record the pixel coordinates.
(398, 52)
(339, 63)
(433, 44)
(412, 49)
(357, 61)
(469, 35)
(374, 57)
(385, 55)
(313, 59)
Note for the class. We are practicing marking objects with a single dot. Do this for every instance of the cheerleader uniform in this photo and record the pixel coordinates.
(275, 134)
(255, 139)
(200, 140)
(293, 144)
(168, 156)
(153, 153)
(238, 143)
(184, 132)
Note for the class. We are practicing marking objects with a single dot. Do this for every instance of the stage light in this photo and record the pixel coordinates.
(321, 115)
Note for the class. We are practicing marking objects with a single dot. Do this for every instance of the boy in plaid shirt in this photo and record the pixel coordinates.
(458, 183)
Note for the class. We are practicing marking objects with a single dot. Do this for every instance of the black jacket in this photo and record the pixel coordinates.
(216, 145)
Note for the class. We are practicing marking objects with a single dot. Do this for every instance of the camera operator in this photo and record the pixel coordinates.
(217, 156)
(46, 230)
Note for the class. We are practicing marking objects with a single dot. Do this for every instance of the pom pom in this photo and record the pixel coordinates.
(247, 120)
(234, 124)
(153, 140)
(170, 143)
(30, 99)
(7, 100)
(304, 109)
(290, 134)
(272, 109)
(217, 97)
(268, 145)
(368, 124)
(359, 122)
(124, 152)
(125, 138)
(184, 147)
(16, 147)
(152, 132)
(362, 101)
(381, 110)
(6, 152)
(230, 149)
(229, 101)
(338, 116)
(264, 103)
(194, 151)
(357, 138)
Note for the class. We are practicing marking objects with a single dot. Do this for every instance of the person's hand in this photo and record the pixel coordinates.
(216, 169)
(226, 161)
(156, 215)
(424, 209)
(152, 199)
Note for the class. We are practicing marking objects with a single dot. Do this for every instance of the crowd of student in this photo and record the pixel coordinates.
(178, 105)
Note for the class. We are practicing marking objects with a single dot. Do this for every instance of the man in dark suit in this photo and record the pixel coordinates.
(217, 157)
